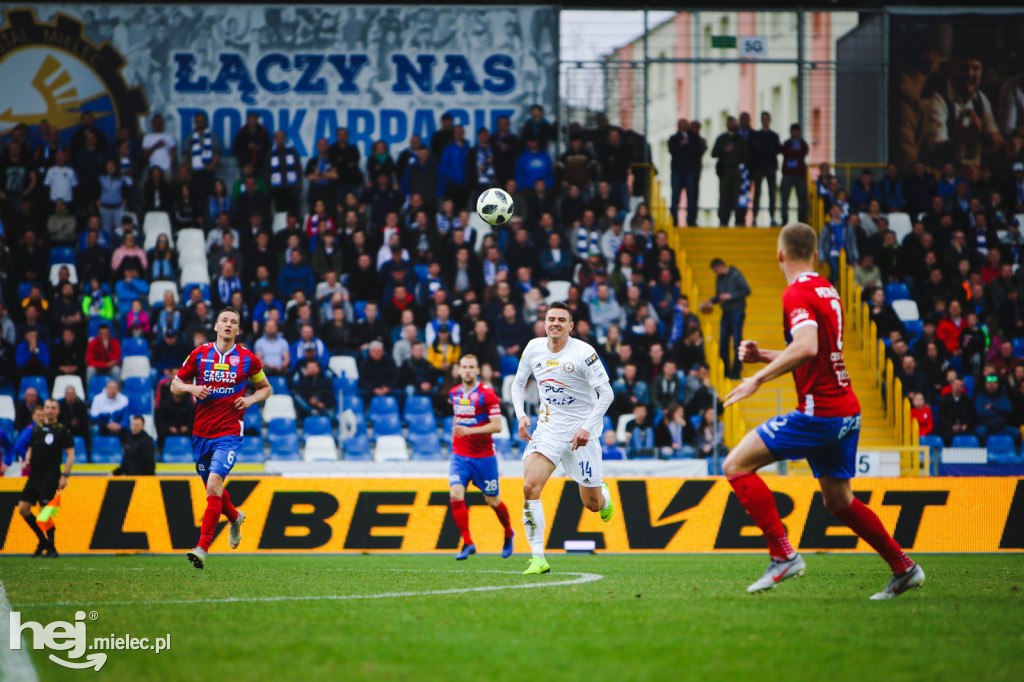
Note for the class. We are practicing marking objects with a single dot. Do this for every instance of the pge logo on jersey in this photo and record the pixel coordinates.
(50, 71)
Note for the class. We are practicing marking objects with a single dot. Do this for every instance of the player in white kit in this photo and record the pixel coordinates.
(574, 395)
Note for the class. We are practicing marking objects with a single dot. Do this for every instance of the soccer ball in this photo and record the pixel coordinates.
(495, 206)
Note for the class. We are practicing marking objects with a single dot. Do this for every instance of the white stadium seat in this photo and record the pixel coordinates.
(280, 221)
(390, 449)
(157, 289)
(906, 310)
(156, 221)
(135, 366)
(344, 364)
(506, 387)
(149, 241)
(61, 383)
(191, 237)
(320, 449)
(278, 406)
(194, 273)
(55, 273)
(149, 425)
(7, 407)
(558, 290)
(900, 224)
(621, 430)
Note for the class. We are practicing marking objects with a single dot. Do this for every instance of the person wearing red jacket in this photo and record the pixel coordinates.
(923, 414)
(950, 327)
(103, 355)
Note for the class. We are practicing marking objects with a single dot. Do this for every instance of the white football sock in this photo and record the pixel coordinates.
(533, 522)
(607, 497)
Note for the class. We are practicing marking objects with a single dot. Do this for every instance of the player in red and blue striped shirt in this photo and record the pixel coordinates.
(477, 416)
(216, 374)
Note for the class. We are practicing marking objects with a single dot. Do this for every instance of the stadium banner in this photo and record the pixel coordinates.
(384, 72)
(163, 514)
(956, 90)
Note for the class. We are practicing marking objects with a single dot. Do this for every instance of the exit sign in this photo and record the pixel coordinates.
(723, 41)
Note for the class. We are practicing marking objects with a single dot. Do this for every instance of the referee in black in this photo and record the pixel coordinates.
(49, 440)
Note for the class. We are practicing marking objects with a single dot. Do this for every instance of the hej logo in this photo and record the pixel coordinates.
(60, 636)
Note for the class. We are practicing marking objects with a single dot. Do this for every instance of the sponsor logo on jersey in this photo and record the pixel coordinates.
(216, 375)
(464, 401)
(221, 365)
(799, 315)
(553, 363)
(49, 439)
(592, 359)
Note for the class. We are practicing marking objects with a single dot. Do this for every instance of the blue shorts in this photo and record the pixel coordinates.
(482, 471)
(829, 444)
(215, 455)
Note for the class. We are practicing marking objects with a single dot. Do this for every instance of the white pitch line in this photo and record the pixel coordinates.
(579, 580)
(14, 665)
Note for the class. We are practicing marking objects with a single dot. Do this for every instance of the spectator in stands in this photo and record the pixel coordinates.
(220, 201)
(510, 332)
(994, 411)
(628, 391)
(864, 191)
(452, 168)
(956, 412)
(920, 188)
(103, 354)
(765, 148)
(93, 260)
(641, 433)
(97, 302)
(912, 379)
(1004, 362)
(227, 283)
(272, 350)
(24, 408)
(137, 322)
(921, 412)
(666, 388)
(67, 356)
(377, 373)
(732, 152)
(422, 178)
(731, 292)
(139, 455)
(972, 345)
(506, 150)
(891, 190)
(312, 391)
(109, 410)
(442, 353)
(416, 373)
(159, 148)
(866, 274)
(535, 164)
(33, 355)
(950, 327)
(174, 417)
(674, 436)
(615, 157)
(556, 261)
(371, 328)
(252, 143)
(163, 262)
(835, 237)
(308, 341)
(130, 288)
(1011, 316)
(610, 447)
(296, 276)
(75, 415)
(129, 253)
(201, 157)
(710, 437)
(168, 351)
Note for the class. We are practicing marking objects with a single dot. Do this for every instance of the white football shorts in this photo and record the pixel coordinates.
(583, 465)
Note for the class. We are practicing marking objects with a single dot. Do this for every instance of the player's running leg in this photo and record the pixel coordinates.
(214, 507)
(537, 469)
(839, 500)
(236, 517)
(501, 511)
(739, 467)
(457, 497)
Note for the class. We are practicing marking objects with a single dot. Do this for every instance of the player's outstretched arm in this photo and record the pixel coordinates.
(803, 347)
(751, 353)
(519, 400)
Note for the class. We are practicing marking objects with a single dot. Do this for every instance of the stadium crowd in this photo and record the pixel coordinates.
(337, 255)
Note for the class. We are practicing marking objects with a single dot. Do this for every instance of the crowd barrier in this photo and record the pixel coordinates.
(162, 515)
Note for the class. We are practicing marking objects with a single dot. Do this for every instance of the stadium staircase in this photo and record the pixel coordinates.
(752, 251)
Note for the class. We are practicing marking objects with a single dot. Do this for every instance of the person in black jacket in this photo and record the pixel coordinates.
(956, 413)
(674, 435)
(765, 148)
(139, 452)
(75, 415)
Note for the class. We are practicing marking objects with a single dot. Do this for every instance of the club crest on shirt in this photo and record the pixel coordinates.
(568, 367)
(233, 360)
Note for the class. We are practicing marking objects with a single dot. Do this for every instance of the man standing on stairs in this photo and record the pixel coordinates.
(824, 429)
(731, 291)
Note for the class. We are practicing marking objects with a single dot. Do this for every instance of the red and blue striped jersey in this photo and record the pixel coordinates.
(473, 408)
(226, 375)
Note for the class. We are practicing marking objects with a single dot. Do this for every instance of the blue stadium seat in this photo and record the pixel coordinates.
(252, 425)
(446, 429)
(422, 423)
(607, 424)
(62, 254)
(963, 441)
(382, 404)
(1002, 450)
(695, 421)
(38, 383)
(508, 365)
(933, 442)
(96, 385)
(282, 426)
(896, 291)
(7, 427)
(422, 272)
(252, 451)
(285, 447)
(177, 450)
(614, 454)
(136, 385)
(386, 424)
(506, 449)
(1018, 347)
(425, 447)
(969, 385)
(914, 328)
(81, 452)
(7, 389)
(134, 346)
(279, 385)
(316, 426)
(345, 385)
(357, 448)
(106, 450)
(352, 402)
(359, 309)
(140, 402)
(418, 404)
(24, 289)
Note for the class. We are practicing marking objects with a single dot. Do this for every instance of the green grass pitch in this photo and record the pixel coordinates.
(663, 617)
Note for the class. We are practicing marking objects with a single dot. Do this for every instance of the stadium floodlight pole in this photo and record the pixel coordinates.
(800, 17)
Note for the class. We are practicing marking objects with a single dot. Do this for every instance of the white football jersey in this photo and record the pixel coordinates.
(567, 381)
